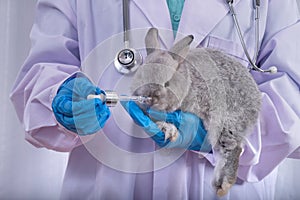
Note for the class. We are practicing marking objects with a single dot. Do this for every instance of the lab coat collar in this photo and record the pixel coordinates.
(194, 20)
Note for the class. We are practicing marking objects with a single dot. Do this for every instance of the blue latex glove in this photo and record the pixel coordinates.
(191, 130)
(72, 109)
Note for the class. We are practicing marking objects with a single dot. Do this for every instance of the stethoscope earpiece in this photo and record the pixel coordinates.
(273, 70)
(128, 60)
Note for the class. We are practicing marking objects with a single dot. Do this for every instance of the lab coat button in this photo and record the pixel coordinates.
(176, 18)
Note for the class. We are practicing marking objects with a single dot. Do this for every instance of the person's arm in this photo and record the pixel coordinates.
(276, 135)
(54, 56)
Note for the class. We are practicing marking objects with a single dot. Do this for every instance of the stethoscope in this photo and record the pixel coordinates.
(256, 4)
(128, 59)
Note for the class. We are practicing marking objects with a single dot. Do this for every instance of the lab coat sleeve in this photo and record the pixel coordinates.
(54, 56)
(277, 133)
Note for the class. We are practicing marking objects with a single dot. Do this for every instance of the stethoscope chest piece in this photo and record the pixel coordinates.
(128, 60)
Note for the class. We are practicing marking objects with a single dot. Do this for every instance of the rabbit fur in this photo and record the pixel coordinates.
(208, 83)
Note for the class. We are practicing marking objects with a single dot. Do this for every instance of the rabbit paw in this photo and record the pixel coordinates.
(170, 130)
(223, 184)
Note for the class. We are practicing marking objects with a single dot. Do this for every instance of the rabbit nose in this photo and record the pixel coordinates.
(157, 93)
(154, 100)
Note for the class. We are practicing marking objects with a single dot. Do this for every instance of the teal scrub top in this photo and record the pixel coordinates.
(175, 9)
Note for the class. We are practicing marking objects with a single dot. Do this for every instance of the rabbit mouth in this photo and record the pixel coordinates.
(161, 98)
(165, 102)
(164, 107)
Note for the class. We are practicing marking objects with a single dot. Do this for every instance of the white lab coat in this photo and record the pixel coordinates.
(120, 162)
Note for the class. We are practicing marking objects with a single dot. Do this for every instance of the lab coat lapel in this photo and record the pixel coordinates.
(194, 20)
(157, 13)
(200, 17)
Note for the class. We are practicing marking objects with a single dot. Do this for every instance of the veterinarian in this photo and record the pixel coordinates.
(113, 158)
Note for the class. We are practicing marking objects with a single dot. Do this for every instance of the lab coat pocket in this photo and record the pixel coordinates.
(229, 47)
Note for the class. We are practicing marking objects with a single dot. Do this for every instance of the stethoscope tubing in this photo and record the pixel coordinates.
(256, 33)
(238, 29)
(256, 4)
(126, 22)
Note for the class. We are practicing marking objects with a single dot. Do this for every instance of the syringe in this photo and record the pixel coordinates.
(111, 98)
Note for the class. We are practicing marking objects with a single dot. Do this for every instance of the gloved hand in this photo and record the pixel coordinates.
(191, 130)
(72, 109)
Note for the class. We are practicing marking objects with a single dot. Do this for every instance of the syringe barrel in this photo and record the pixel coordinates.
(111, 98)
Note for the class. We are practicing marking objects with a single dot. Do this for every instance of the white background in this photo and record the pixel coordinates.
(30, 173)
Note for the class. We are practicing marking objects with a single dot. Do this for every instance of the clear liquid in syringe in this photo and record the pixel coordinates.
(139, 99)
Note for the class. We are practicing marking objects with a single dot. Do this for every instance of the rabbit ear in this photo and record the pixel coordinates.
(181, 48)
(151, 40)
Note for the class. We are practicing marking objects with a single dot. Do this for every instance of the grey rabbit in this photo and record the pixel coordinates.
(206, 82)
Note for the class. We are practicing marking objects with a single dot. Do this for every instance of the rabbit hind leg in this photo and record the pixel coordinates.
(229, 151)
